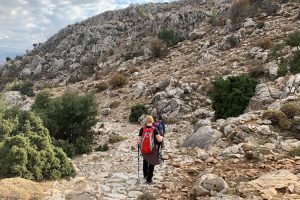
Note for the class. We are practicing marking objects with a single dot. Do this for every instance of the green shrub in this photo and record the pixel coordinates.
(170, 37)
(27, 151)
(116, 138)
(129, 56)
(101, 86)
(231, 96)
(137, 111)
(282, 68)
(278, 118)
(83, 145)
(25, 88)
(294, 152)
(295, 63)
(293, 39)
(276, 50)
(102, 148)
(291, 109)
(157, 48)
(118, 80)
(217, 20)
(67, 147)
(69, 117)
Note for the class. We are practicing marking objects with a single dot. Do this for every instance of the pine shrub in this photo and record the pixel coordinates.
(69, 117)
(26, 150)
(231, 96)
(137, 111)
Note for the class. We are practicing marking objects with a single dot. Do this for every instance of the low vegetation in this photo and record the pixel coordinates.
(101, 86)
(278, 118)
(102, 148)
(116, 138)
(137, 111)
(118, 80)
(25, 87)
(170, 37)
(69, 118)
(26, 149)
(231, 96)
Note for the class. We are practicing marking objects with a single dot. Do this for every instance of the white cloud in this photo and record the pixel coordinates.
(24, 22)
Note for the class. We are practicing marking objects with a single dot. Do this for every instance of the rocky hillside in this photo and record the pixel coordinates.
(251, 156)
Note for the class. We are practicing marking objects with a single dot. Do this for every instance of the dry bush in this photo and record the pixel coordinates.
(101, 86)
(114, 104)
(279, 118)
(239, 10)
(265, 43)
(157, 47)
(257, 72)
(291, 109)
(118, 80)
(133, 70)
(116, 138)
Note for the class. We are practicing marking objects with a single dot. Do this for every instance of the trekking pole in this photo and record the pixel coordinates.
(138, 163)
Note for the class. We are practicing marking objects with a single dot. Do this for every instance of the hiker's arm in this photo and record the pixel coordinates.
(139, 138)
(159, 138)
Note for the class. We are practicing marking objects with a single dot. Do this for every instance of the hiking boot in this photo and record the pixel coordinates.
(149, 182)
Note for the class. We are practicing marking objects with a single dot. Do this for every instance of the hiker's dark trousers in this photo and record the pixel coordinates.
(148, 170)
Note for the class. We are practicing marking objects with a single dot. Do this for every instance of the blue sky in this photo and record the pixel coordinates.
(24, 22)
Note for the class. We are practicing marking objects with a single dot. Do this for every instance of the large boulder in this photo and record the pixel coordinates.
(261, 99)
(204, 138)
(208, 184)
(14, 98)
(139, 88)
(267, 185)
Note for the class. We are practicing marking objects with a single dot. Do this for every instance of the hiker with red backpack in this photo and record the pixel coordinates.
(148, 144)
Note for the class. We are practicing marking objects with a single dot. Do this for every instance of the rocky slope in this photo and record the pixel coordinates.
(238, 158)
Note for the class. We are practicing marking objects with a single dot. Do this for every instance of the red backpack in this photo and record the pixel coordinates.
(147, 143)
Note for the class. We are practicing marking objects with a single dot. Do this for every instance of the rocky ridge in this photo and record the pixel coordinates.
(243, 157)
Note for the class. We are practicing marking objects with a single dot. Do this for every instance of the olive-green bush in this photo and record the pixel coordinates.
(69, 117)
(231, 96)
(170, 37)
(278, 118)
(137, 111)
(25, 87)
(295, 63)
(291, 109)
(118, 80)
(26, 149)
